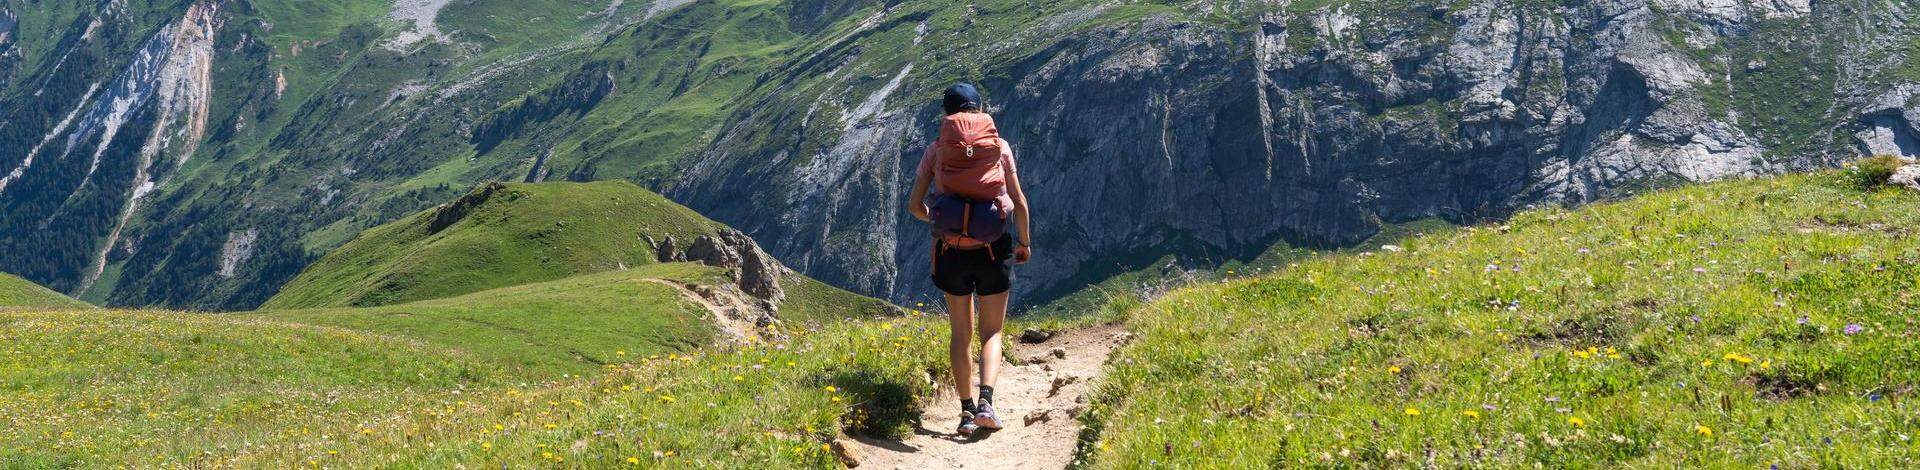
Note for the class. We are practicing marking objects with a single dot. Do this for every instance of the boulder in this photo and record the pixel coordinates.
(1907, 176)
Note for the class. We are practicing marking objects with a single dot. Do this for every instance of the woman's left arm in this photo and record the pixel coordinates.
(1022, 213)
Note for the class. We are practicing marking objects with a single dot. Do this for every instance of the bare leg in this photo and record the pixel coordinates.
(993, 315)
(960, 344)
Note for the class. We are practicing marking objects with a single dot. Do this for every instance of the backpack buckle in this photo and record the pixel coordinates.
(969, 151)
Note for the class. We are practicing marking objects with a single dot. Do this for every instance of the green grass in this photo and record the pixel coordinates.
(522, 233)
(1738, 324)
(17, 293)
(757, 407)
(570, 326)
(86, 389)
(97, 388)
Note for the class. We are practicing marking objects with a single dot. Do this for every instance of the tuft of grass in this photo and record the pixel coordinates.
(1774, 313)
(1873, 172)
(17, 293)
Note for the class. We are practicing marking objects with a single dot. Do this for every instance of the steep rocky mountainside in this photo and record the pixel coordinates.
(200, 152)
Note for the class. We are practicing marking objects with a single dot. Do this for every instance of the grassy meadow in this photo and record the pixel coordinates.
(1737, 324)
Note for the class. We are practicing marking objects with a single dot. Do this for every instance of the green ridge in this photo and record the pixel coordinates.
(20, 293)
(511, 234)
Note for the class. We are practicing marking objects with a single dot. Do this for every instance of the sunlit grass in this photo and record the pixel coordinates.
(1746, 323)
(193, 390)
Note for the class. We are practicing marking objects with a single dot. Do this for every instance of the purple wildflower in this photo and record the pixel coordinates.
(1803, 320)
(1854, 328)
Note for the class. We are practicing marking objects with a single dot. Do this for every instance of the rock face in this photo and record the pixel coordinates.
(1316, 126)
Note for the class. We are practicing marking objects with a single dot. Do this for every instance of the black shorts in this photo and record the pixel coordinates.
(984, 271)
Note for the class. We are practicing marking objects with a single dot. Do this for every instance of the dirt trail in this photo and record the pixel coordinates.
(730, 311)
(1041, 418)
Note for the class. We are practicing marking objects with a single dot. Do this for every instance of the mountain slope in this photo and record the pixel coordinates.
(497, 236)
(257, 136)
(18, 293)
(1749, 323)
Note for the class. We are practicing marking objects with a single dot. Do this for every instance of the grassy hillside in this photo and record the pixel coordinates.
(574, 325)
(177, 389)
(1741, 324)
(496, 236)
(21, 293)
(512, 324)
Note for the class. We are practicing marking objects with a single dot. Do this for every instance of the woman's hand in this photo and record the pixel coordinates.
(920, 212)
(1022, 254)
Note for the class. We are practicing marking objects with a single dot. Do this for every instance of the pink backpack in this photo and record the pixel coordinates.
(967, 157)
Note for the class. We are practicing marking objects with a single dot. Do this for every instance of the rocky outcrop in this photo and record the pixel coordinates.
(453, 212)
(752, 269)
(1907, 176)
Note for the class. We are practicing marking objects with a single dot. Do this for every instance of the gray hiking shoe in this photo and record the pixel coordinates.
(985, 418)
(967, 426)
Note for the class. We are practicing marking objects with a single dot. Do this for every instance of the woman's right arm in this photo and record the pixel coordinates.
(917, 200)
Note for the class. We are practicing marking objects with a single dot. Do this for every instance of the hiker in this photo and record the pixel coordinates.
(975, 193)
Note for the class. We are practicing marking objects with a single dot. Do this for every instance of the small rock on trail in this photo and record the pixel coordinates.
(1037, 403)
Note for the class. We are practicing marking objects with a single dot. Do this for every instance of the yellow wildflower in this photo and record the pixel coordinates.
(832, 389)
(633, 460)
(1411, 411)
(1703, 430)
(1470, 414)
(1393, 370)
(1576, 421)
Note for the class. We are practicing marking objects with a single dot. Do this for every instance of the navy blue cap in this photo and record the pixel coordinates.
(961, 97)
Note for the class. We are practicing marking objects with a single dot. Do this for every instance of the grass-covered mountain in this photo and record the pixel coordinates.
(499, 235)
(203, 152)
(381, 379)
(1742, 324)
(19, 293)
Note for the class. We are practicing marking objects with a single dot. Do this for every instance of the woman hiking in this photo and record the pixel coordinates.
(975, 191)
